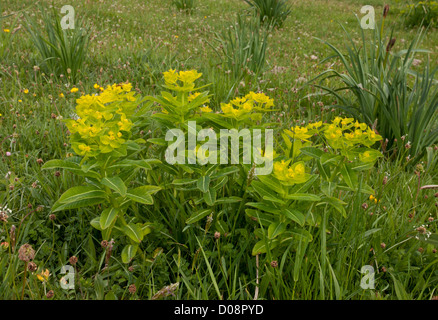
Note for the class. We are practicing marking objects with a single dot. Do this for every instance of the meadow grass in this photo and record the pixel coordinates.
(136, 41)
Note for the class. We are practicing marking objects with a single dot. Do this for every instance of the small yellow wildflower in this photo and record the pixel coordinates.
(6, 30)
(193, 96)
(206, 109)
(170, 77)
(26, 91)
(61, 95)
(299, 133)
(84, 148)
(73, 90)
(188, 77)
(44, 275)
(96, 86)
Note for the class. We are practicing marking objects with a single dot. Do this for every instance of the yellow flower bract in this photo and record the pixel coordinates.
(102, 119)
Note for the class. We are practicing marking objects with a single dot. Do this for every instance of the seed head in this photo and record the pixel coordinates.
(422, 230)
(26, 253)
(32, 266)
(390, 45)
(50, 294)
(132, 289)
(385, 10)
(73, 260)
(274, 264)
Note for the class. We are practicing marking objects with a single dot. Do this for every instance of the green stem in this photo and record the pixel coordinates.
(24, 279)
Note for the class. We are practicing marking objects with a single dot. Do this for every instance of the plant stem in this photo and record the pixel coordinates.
(24, 279)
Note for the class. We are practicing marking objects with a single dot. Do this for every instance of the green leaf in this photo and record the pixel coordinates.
(116, 184)
(78, 197)
(294, 215)
(149, 189)
(224, 172)
(203, 183)
(263, 218)
(71, 166)
(129, 252)
(146, 229)
(95, 223)
(312, 151)
(231, 199)
(335, 203)
(262, 190)
(110, 296)
(323, 171)
(271, 184)
(264, 207)
(302, 234)
(198, 215)
(303, 197)
(260, 247)
(159, 141)
(210, 197)
(350, 176)
(276, 229)
(362, 166)
(328, 158)
(274, 199)
(140, 195)
(328, 187)
(400, 290)
(221, 182)
(181, 182)
(99, 287)
(145, 164)
(107, 217)
(133, 231)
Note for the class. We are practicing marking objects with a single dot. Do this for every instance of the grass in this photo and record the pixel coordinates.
(126, 45)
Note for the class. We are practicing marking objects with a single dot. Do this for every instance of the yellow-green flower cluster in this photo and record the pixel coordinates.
(340, 133)
(241, 108)
(345, 132)
(304, 133)
(290, 174)
(181, 81)
(103, 120)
